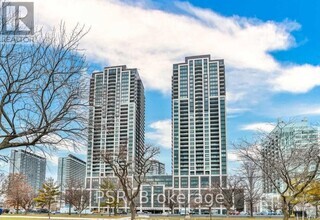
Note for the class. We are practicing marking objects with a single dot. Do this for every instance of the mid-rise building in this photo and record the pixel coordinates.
(198, 123)
(32, 166)
(157, 168)
(116, 118)
(70, 168)
(156, 187)
(280, 141)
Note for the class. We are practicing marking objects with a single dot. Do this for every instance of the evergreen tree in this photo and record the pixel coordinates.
(47, 195)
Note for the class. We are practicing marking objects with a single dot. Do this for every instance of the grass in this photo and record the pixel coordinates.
(31, 216)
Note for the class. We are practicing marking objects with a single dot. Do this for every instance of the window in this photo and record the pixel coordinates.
(184, 182)
(194, 182)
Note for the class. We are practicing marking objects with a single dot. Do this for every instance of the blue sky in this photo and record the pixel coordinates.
(271, 50)
(272, 106)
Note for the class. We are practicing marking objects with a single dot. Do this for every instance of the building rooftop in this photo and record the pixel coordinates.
(29, 153)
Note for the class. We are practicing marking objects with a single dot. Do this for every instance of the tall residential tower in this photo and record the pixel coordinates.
(70, 168)
(32, 166)
(198, 123)
(116, 118)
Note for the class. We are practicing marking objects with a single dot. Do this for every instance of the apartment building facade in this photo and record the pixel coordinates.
(32, 166)
(70, 168)
(198, 124)
(116, 118)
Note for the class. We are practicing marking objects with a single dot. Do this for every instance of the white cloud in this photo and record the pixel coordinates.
(237, 110)
(233, 156)
(152, 40)
(298, 79)
(235, 96)
(302, 110)
(262, 126)
(311, 111)
(293, 110)
(161, 134)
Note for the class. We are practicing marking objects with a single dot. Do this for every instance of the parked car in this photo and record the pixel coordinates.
(271, 213)
(263, 213)
(66, 210)
(234, 212)
(87, 211)
(244, 213)
(186, 211)
(42, 211)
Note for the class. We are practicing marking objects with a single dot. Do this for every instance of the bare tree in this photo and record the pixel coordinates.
(131, 173)
(187, 199)
(77, 195)
(41, 84)
(66, 193)
(210, 198)
(251, 182)
(18, 192)
(171, 199)
(272, 202)
(232, 193)
(27, 201)
(288, 158)
(111, 189)
(2, 179)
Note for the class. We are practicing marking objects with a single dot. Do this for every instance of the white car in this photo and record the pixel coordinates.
(87, 211)
(243, 213)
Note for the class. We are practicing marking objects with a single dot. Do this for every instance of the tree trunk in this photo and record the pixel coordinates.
(290, 209)
(133, 210)
(228, 212)
(49, 207)
(303, 209)
(251, 208)
(285, 210)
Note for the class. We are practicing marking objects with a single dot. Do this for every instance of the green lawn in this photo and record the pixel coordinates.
(34, 216)
(96, 217)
